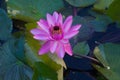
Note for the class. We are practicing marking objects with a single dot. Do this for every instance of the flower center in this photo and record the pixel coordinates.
(56, 28)
(56, 33)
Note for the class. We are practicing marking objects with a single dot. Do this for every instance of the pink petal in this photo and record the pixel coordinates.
(68, 49)
(70, 34)
(37, 31)
(50, 20)
(41, 37)
(43, 24)
(64, 40)
(60, 20)
(45, 48)
(53, 46)
(75, 28)
(67, 24)
(60, 50)
(55, 16)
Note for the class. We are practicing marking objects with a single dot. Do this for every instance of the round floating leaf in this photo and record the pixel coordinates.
(107, 73)
(6, 57)
(10, 69)
(19, 48)
(44, 72)
(112, 52)
(81, 48)
(29, 10)
(5, 25)
(102, 4)
(100, 22)
(105, 70)
(66, 11)
(81, 3)
(113, 11)
(118, 25)
(85, 31)
(99, 55)
(18, 71)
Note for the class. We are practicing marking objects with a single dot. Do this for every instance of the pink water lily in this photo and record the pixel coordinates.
(56, 34)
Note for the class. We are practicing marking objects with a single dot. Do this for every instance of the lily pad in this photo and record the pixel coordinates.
(113, 10)
(81, 3)
(98, 54)
(29, 10)
(85, 32)
(5, 25)
(102, 4)
(107, 73)
(81, 48)
(10, 67)
(44, 72)
(101, 21)
(112, 52)
(110, 69)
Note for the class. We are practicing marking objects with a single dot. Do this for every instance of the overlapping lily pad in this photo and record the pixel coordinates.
(110, 68)
(5, 25)
(113, 10)
(81, 3)
(102, 4)
(29, 10)
(81, 48)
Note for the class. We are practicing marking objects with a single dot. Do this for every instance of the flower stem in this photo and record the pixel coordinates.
(74, 11)
(88, 57)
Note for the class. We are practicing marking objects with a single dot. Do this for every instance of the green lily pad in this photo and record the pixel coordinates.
(81, 3)
(81, 48)
(86, 29)
(112, 52)
(102, 4)
(5, 26)
(110, 69)
(29, 10)
(107, 73)
(98, 54)
(113, 10)
(18, 71)
(10, 67)
(44, 72)
(100, 22)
